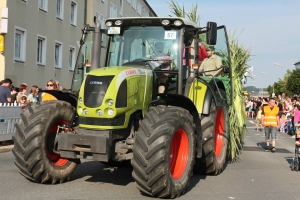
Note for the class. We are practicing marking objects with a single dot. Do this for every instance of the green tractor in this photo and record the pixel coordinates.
(169, 121)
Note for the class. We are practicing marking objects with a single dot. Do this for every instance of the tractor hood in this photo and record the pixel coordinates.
(110, 92)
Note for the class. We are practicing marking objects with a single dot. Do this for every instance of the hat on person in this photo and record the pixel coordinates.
(210, 48)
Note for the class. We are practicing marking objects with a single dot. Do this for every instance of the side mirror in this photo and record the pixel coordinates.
(211, 34)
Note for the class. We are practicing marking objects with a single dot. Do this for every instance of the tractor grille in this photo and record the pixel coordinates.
(94, 90)
(118, 121)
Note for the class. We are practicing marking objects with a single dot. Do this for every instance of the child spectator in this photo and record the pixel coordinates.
(23, 102)
(289, 124)
(258, 119)
(282, 123)
(33, 96)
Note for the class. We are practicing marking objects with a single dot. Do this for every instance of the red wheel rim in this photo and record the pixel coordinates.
(219, 132)
(55, 159)
(179, 152)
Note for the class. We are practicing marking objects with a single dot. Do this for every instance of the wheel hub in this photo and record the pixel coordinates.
(54, 158)
(219, 132)
(179, 152)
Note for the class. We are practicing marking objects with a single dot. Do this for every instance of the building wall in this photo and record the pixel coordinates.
(27, 16)
(2, 57)
(113, 8)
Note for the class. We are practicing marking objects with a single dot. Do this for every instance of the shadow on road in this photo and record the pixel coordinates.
(195, 179)
(94, 171)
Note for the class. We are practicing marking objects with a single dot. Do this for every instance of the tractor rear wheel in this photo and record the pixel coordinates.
(164, 152)
(215, 131)
(34, 142)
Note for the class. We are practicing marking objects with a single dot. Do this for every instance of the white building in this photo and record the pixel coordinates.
(297, 65)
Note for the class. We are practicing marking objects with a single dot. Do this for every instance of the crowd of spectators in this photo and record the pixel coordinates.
(22, 96)
(289, 111)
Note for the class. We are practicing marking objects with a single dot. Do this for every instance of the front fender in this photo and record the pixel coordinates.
(63, 95)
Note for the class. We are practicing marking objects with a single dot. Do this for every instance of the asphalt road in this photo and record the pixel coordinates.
(256, 175)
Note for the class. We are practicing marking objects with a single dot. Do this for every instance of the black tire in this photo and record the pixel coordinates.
(215, 140)
(155, 142)
(34, 141)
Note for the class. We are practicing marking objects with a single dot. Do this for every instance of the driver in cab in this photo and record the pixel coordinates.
(212, 62)
(163, 63)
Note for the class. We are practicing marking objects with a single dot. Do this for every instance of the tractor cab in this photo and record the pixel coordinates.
(169, 47)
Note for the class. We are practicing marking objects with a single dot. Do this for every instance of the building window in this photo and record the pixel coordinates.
(146, 13)
(133, 3)
(73, 13)
(58, 55)
(60, 9)
(139, 8)
(43, 5)
(113, 10)
(20, 45)
(121, 7)
(72, 58)
(101, 19)
(41, 50)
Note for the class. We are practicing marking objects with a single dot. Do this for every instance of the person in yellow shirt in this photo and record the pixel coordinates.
(51, 85)
(270, 119)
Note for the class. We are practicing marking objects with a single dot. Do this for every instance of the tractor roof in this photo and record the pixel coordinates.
(151, 21)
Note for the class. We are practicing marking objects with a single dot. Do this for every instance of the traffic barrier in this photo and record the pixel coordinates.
(9, 116)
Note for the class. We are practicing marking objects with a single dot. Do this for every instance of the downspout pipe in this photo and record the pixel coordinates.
(85, 12)
(96, 48)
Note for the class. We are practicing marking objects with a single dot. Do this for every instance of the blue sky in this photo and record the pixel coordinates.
(269, 28)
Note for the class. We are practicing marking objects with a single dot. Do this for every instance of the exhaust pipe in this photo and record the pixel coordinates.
(96, 48)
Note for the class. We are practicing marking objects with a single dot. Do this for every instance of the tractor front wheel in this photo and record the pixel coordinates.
(34, 142)
(164, 152)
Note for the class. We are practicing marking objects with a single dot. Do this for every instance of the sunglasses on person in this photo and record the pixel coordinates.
(49, 85)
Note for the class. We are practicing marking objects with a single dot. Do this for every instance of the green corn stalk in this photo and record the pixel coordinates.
(239, 59)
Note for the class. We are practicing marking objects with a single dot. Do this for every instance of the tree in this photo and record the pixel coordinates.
(239, 59)
(292, 83)
(281, 86)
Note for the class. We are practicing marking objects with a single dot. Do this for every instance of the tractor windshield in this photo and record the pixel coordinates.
(144, 43)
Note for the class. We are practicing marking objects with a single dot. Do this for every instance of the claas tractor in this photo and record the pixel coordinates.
(161, 114)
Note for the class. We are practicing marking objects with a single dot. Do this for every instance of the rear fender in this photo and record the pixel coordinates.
(211, 94)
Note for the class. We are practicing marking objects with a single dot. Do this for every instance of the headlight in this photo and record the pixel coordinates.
(108, 23)
(118, 22)
(177, 23)
(80, 100)
(110, 102)
(99, 112)
(80, 110)
(85, 111)
(165, 22)
(110, 112)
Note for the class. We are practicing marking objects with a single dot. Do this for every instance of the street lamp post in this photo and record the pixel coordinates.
(273, 83)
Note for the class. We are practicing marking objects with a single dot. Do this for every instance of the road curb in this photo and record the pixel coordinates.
(6, 148)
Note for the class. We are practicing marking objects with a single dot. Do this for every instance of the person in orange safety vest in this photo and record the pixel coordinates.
(270, 120)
